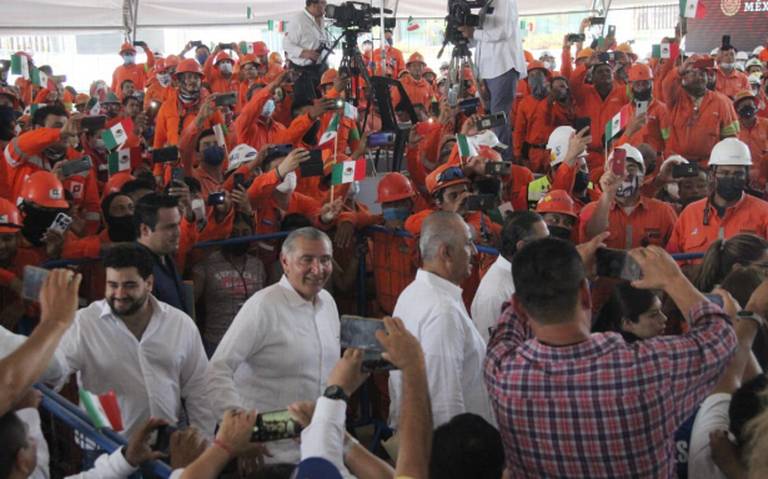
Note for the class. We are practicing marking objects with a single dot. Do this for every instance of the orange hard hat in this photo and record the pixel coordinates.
(394, 187)
(743, 95)
(223, 57)
(557, 201)
(81, 98)
(188, 65)
(127, 47)
(537, 65)
(116, 182)
(172, 61)
(415, 57)
(626, 48)
(429, 70)
(528, 56)
(329, 76)
(444, 176)
(160, 65)
(640, 72)
(246, 59)
(260, 49)
(10, 219)
(584, 53)
(42, 188)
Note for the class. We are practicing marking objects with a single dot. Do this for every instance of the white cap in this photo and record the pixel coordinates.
(241, 154)
(730, 152)
(754, 62)
(558, 143)
(742, 56)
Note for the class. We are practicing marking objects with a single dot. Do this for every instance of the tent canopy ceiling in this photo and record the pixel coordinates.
(28, 15)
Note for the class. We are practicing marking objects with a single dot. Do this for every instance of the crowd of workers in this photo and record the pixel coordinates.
(499, 353)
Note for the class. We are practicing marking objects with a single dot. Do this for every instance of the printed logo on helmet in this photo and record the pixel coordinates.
(4, 219)
(55, 194)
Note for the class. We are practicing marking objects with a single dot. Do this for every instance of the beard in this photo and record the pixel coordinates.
(130, 308)
(696, 90)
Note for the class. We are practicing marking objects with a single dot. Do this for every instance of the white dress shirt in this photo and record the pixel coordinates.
(712, 416)
(498, 46)
(495, 288)
(54, 375)
(108, 466)
(433, 311)
(324, 437)
(279, 349)
(304, 34)
(150, 376)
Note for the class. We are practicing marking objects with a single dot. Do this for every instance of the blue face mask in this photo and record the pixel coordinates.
(201, 58)
(396, 214)
(213, 155)
(268, 109)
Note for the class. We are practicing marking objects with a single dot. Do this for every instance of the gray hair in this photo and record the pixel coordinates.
(308, 233)
(440, 228)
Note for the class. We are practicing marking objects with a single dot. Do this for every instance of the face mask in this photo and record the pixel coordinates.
(559, 232)
(268, 109)
(288, 184)
(390, 41)
(730, 188)
(236, 249)
(189, 96)
(54, 154)
(747, 112)
(213, 155)
(164, 79)
(673, 190)
(727, 66)
(644, 95)
(581, 182)
(628, 188)
(129, 59)
(548, 65)
(121, 228)
(36, 223)
(396, 214)
(201, 58)
(225, 67)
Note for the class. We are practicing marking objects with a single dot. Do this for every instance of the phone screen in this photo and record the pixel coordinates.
(360, 333)
(33, 282)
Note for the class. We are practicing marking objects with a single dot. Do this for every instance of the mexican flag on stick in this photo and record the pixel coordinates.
(20, 66)
(119, 160)
(329, 135)
(103, 409)
(115, 136)
(617, 123)
(466, 146)
(348, 171)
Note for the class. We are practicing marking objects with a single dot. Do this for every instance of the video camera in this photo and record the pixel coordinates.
(357, 16)
(460, 14)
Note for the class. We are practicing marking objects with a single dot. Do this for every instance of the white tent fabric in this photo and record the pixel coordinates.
(20, 16)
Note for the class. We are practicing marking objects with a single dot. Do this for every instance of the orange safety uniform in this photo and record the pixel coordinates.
(253, 130)
(756, 138)
(700, 224)
(137, 72)
(394, 62)
(215, 79)
(174, 116)
(524, 113)
(729, 84)
(395, 265)
(650, 223)
(22, 157)
(544, 120)
(418, 91)
(651, 132)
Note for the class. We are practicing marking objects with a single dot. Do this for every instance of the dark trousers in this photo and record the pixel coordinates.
(502, 91)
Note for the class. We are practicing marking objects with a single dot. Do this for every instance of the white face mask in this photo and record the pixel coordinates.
(164, 79)
(727, 66)
(225, 67)
(288, 184)
(129, 59)
(268, 109)
(673, 190)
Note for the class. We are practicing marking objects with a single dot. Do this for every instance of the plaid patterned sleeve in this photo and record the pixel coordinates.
(511, 331)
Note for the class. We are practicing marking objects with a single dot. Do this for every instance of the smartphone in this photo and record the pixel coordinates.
(216, 198)
(93, 123)
(61, 223)
(641, 107)
(59, 78)
(74, 167)
(498, 168)
(616, 263)
(481, 202)
(686, 170)
(576, 37)
(32, 282)
(224, 46)
(139, 43)
(196, 43)
(279, 94)
(238, 180)
(715, 298)
(360, 333)
(277, 151)
(619, 162)
(581, 123)
(227, 99)
(165, 155)
(492, 121)
(469, 106)
(612, 31)
(597, 21)
(274, 426)
(177, 175)
(726, 41)
(163, 438)
(381, 138)
(313, 166)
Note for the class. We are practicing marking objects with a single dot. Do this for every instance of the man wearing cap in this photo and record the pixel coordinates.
(254, 69)
(416, 87)
(539, 86)
(559, 213)
(159, 87)
(645, 111)
(394, 62)
(218, 69)
(81, 102)
(130, 70)
(754, 132)
(632, 220)
(728, 210)
(698, 118)
(730, 81)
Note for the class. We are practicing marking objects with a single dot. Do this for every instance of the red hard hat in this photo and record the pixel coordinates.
(394, 187)
(329, 76)
(260, 49)
(537, 65)
(557, 201)
(171, 61)
(188, 65)
(127, 47)
(416, 57)
(223, 57)
(640, 72)
(444, 176)
(42, 188)
(116, 182)
(10, 219)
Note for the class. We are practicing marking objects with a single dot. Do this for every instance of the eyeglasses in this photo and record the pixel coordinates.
(450, 174)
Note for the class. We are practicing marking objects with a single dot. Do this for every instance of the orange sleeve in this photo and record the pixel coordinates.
(33, 142)
(249, 113)
(415, 168)
(209, 72)
(161, 129)
(671, 87)
(578, 87)
(521, 128)
(566, 67)
(115, 75)
(187, 146)
(75, 248)
(294, 133)
(563, 177)
(261, 188)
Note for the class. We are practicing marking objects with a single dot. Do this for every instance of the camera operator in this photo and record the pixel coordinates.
(499, 60)
(304, 44)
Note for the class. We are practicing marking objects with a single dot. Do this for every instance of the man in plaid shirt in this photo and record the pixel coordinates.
(574, 404)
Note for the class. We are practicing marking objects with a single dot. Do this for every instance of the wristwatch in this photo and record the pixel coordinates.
(335, 392)
(744, 314)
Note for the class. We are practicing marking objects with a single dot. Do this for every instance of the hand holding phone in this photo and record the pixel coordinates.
(75, 167)
(313, 166)
(216, 198)
(617, 264)
(61, 223)
(360, 333)
(32, 282)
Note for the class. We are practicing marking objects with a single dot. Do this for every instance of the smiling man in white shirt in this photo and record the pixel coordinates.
(284, 341)
(148, 352)
(432, 310)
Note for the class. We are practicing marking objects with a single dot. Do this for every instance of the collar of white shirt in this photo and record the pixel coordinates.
(437, 282)
(294, 298)
(503, 263)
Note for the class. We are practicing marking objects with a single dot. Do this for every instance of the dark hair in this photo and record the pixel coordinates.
(746, 403)
(548, 274)
(203, 134)
(148, 206)
(38, 118)
(125, 81)
(13, 437)
(742, 282)
(294, 221)
(273, 471)
(625, 302)
(466, 446)
(193, 184)
(129, 98)
(518, 226)
(107, 202)
(723, 254)
(129, 255)
(136, 185)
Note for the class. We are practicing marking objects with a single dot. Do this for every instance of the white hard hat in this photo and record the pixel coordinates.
(742, 56)
(758, 50)
(740, 66)
(241, 154)
(633, 154)
(754, 62)
(558, 143)
(730, 152)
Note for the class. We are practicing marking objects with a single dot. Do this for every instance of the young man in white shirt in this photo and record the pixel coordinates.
(302, 43)
(284, 341)
(432, 309)
(148, 352)
(497, 286)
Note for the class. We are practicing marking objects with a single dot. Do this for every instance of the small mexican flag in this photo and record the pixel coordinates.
(246, 47)
(114, 136)
(103, 409)
(248, 13)
(220, 131)
(329, 135)
(665, 50)
(119, 160)
(20, 66)
(38, 77)
(617, 123)
(467, 147)
(348, 171)
(274, 26)
(412, 25)
(692, 8)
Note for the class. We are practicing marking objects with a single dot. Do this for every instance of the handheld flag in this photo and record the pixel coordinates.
(412, 25)
(119, 160)
(467, 147)
(38, 77)
(617, 123)
(350, 111)
(348, 171)
(115, 136)
(102, 410)
(329, 135)
(692, 8)
(20, 66)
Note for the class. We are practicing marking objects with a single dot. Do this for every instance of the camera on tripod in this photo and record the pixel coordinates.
(460, 14)
(357, 16)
